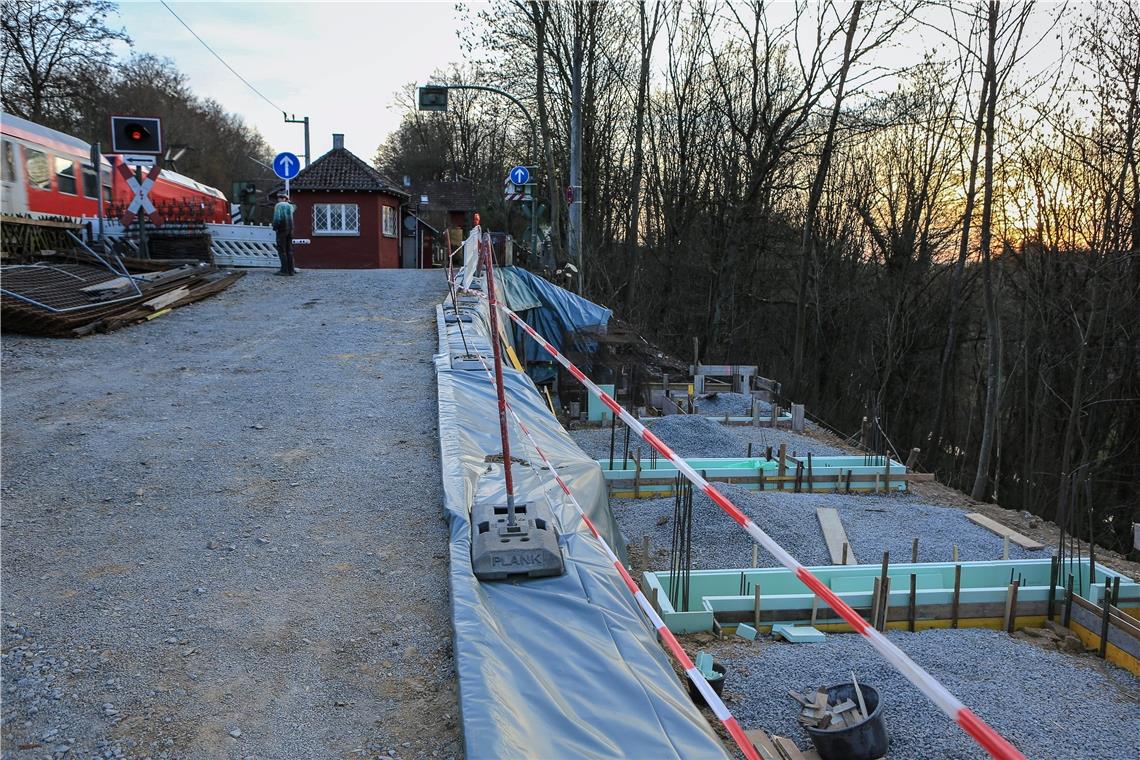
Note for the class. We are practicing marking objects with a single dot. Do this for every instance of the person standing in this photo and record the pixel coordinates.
(283, 226)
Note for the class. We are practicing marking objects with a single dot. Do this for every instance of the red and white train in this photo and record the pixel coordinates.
(48, 173)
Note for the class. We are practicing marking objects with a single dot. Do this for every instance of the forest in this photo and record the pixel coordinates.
(60, 67)
(921, 213)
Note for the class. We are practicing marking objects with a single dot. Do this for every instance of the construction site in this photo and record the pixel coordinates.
(208, 553)
(570, 380)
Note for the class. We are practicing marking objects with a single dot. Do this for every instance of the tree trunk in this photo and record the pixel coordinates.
(540, 11)
(949, 349)
(648, 35)
(993, 337)
(808, 241)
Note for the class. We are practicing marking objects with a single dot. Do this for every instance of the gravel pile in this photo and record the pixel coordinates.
(874, 524)
(688, 435)
(222, 530)
(798, 445)
(727, 402)
(1048, 703)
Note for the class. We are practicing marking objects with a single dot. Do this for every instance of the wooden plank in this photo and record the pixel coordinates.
(32, 222)
(788, 748)
(835, 535)
(118, 282)
(995, 527)
(1119, 618)
(763, 744)
(167, 298)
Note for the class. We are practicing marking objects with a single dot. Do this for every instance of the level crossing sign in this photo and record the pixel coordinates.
(512, 192)
(141, 200)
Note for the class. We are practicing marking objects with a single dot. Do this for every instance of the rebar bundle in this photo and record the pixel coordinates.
(681, 550)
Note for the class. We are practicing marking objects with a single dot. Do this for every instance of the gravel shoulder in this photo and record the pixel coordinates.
(222, 534)
(1037, 698)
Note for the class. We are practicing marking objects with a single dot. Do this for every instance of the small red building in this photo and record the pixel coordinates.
(348, 214)
(433, 207)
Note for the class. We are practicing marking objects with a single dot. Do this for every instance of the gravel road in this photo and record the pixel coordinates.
(222, 534)
(1048, 703)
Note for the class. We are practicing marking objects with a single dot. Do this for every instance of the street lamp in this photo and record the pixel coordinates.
(433, 97)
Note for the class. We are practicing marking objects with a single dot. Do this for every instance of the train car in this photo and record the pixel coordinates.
(47, 173)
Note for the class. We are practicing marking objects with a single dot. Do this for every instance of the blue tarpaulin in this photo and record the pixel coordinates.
(557, 313)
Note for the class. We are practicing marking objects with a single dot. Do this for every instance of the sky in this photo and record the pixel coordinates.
(340, 63)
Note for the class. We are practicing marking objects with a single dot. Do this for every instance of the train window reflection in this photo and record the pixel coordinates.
(39, 175)
(65, 176)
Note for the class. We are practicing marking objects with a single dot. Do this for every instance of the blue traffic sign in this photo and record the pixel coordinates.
(286, 165)
(520, 175)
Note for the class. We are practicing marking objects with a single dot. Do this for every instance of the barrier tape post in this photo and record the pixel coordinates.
(980, 731)
(715, 703)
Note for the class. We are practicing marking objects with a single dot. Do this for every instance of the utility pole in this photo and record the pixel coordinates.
(575, 192)
(292, 119)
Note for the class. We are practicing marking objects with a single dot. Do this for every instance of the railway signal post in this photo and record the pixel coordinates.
(141, 138)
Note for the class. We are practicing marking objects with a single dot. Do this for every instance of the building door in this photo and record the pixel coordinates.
(408, 253)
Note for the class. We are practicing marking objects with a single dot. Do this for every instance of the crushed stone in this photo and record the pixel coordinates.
(1039, 699)
(874, 524)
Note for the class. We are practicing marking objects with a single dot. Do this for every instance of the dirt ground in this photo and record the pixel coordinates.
(222, 533)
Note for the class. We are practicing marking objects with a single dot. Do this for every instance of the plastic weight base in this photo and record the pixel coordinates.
(529, 548)
(470, 362)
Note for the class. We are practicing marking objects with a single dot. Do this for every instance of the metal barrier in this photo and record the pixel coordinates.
(232, 245)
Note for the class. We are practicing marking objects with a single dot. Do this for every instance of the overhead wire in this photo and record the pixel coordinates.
(222, 60)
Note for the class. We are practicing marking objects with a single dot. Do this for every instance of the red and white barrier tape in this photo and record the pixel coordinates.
(711, 697)
(989, 739)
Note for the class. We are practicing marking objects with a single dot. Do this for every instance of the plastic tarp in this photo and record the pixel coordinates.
(563, 667)
(560, 312)
(515, 291)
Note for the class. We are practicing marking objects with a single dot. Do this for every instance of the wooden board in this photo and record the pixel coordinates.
(167, 298)
(995, 527)
(763, 744)
(778, 747)
(834, 535)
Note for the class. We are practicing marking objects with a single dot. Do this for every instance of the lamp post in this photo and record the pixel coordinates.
(433, 97)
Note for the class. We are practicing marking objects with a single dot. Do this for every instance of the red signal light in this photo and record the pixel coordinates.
(136, 134)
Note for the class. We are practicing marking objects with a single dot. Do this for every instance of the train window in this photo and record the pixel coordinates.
(39, 175)
(8, 166)
(90, 182)
(65, 176)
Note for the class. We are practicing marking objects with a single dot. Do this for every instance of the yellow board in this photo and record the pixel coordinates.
(1113, 653)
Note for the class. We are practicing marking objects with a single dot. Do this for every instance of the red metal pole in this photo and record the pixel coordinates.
(489, 266)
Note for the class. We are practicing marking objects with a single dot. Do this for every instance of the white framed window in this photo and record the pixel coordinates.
(336, 219)
(65, 176)
(391, 226)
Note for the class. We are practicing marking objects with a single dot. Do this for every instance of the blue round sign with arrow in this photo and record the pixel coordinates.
(286, 165)
(519, 175)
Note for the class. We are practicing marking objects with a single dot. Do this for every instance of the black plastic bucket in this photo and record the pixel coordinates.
(865, 741)
(717, 685)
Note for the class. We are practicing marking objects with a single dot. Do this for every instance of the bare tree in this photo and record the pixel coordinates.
(49, 49)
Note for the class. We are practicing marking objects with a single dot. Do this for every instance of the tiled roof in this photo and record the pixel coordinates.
(340, 169)
(443, 196)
